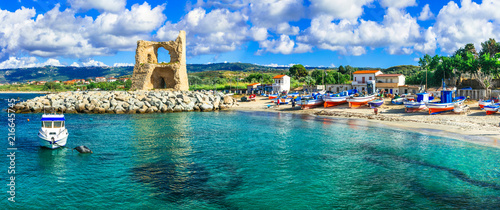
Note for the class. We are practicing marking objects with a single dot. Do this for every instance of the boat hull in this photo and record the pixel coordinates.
(310, 104)
(356, 102)
(440, 108)
(376, 103)
(334, 101)
(484, 103)
(48, 143)
(491, 109)
(414, 107)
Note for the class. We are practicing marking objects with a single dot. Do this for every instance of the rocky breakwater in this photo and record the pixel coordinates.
(131, 102)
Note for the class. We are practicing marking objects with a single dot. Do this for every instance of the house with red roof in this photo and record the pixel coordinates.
(281, 83)
(361, 78)
(252, 87)
(391, 83)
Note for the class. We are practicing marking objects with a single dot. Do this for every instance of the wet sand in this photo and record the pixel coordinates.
(475, 126)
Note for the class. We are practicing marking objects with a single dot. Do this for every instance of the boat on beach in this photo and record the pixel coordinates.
(339, 98)
(419, 104)
(357, 101)
(312, 101)
(483, 103)
(447, 103)
(53, 133)
(376, 103)
(491, 109)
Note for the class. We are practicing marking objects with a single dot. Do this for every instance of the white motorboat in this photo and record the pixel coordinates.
(53, 133)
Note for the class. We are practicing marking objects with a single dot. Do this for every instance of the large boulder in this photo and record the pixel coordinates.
(206, 107)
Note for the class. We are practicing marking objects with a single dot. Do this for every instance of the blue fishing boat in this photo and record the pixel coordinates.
(376, 103)
(447, 103)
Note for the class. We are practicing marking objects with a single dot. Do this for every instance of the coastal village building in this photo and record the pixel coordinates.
(111, 79)
(360, 78)
(100, 79)
(390, 83)
(252, 87)
(281, 83)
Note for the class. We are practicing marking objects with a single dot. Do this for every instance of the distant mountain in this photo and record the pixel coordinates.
(50, 73)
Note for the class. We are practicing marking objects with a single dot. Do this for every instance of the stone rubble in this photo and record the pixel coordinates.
(130, 102)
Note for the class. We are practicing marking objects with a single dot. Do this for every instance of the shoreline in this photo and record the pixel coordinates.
(476, 127)
(26, 92)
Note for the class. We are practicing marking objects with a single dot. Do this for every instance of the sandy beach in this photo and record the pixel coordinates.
(475, 126)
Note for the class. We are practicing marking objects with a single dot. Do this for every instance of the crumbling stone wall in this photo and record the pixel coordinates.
(149, 74)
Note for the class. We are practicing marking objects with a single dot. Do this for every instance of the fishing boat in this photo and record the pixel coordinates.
(376, 103)
(312, 101)
(419, 104)
(355, 102)
(483, 103)
(273, 96)
(282, 100)
(53, 133)
(397, 101)
(337, 99)
(491, 109)
(447, 103)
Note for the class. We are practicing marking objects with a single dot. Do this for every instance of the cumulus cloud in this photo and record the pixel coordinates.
(283, 45)
(27, 62)
(75, 64)
(398, 3)
(217, 31)
(471, 23)
(107, 5)
(62, 33)
(92, 62)
(268, 13)
(398, 33)
(339, 9)
(426, 13)
(122, 64)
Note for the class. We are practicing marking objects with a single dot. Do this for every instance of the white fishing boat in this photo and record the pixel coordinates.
(53, 133)
(355, 102)
(308, 102)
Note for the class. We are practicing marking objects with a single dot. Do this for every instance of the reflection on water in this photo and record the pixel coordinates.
(53, 161)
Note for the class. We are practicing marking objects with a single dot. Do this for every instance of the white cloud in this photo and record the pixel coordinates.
(471, 23)
(62, 33)
(285, 28)
(101, 5)
(259, 34)
(92, 62)
(217, 31)
(269, 13)
(122, 64)
(398, 33)
(27, 62)
(398, 3)
(283, 45)
(339, 9)
(75, 64)
(426, 13)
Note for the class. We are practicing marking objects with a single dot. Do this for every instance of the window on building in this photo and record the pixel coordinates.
(363, 80)
(370, 78)
(391, 80)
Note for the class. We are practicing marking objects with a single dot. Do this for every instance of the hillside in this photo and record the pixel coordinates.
(50, 73)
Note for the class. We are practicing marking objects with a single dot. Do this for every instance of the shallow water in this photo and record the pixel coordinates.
(246, 160)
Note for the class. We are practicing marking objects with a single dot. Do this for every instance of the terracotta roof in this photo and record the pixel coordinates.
(253, 84)
(389, 75)
(366, 72)
(278, 76)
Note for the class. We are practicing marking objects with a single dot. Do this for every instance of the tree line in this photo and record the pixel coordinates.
(466, 61)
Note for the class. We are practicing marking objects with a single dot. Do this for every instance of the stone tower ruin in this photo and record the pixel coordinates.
(149, 74)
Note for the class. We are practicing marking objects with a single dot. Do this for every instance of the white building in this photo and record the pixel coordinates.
(360, 78)
(281, 83)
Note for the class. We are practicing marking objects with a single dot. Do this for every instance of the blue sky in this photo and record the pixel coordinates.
(360, 33)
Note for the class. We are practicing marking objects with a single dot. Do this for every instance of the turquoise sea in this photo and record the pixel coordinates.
(244, 160)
